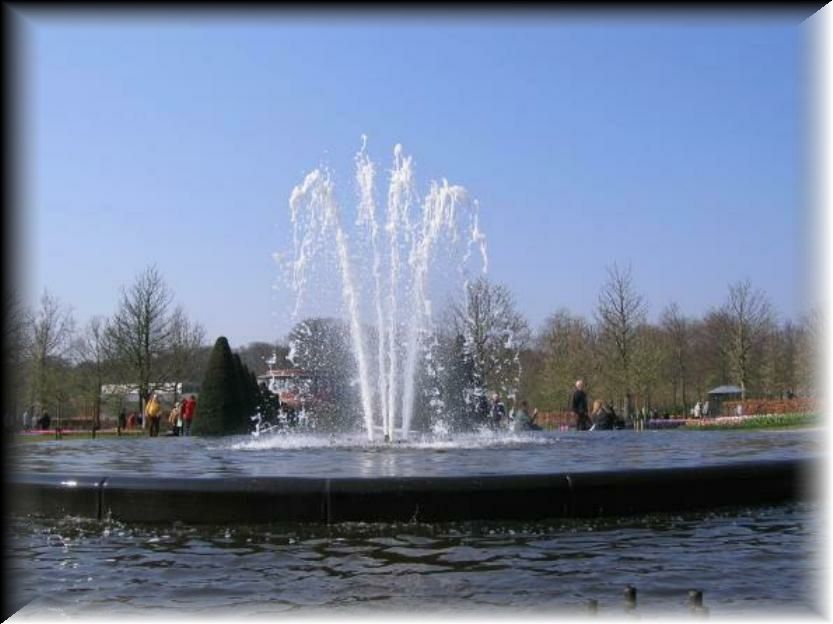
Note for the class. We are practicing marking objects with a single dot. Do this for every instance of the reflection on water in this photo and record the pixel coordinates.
(757, 560)
(475, 454)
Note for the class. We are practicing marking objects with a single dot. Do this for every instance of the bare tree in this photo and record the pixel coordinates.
(787, 357)
(92, 351)
(678, 333)
(749, 317)
(16, 337)
(811, 340)
(649, 359)
(619, 312)
(142, 329)
(494, 333)
(776, 373)
(52, 328)
(322, 347)
(566, 345)
(186, 340)
(710, 353)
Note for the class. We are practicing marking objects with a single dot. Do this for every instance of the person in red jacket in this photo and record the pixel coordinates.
(189, 406)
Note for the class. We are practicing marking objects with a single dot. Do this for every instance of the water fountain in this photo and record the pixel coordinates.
(415, 252)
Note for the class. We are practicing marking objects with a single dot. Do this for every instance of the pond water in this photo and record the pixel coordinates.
(760, 560)
(318, 455)
(746, 561)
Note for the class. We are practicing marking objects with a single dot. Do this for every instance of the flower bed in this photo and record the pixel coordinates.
(555, 420)
(758, 421)
(772, 406)
(662, 423)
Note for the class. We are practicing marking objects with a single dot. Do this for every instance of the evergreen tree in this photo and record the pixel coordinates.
(219, 410)
(269, 404)
(254, 390)
(248, 390)
(242, 390)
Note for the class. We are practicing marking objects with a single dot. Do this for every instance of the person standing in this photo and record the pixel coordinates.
(153, 412)
(122, 421)
(188, 409)
(175, 418)
(578, 406)
(498, 412)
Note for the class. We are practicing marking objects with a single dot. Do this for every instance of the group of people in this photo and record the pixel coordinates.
(700, 410)
(519, 419)
(603, 415)
(30, 422)
(179, 418)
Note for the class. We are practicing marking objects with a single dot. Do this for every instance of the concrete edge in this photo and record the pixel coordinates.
(404, 499)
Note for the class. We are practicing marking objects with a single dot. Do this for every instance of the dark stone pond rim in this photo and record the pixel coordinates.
(413, 498)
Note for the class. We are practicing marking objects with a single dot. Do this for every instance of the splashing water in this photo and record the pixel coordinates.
(423, 250)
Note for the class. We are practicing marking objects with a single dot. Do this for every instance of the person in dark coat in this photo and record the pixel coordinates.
(578, 406)
(601, 418)
(618, 421)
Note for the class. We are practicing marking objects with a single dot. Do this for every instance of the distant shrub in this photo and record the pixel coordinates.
(221, 409)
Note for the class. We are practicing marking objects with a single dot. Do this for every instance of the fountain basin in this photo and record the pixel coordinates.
(324, 478)
(404, 499)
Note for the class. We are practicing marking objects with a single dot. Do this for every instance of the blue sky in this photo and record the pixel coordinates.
(670, 143)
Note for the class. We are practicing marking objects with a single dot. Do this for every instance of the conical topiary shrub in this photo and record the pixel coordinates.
(220, 410)
(248, 393)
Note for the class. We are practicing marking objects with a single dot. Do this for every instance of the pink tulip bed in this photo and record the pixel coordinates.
(755, 421)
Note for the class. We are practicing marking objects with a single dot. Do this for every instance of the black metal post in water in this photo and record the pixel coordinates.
(630, 598)
(695, 603)
(592, 606)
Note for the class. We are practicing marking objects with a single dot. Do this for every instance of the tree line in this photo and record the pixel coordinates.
(672, 363)
(482, 344)
(53, 365)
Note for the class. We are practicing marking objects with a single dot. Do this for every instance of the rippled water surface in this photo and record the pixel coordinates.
(746, 561)
(474, 454)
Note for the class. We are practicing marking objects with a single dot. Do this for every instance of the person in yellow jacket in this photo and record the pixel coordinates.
(153, 412)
